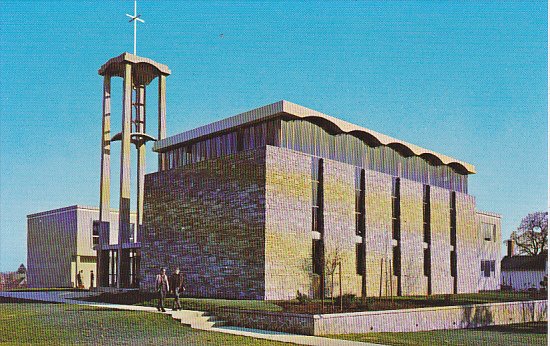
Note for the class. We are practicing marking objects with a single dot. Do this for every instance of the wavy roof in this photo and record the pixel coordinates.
(330, 124)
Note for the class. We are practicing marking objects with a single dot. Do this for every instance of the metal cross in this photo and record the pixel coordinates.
(135, 19)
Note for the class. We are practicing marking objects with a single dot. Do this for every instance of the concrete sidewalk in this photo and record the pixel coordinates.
(188, 318)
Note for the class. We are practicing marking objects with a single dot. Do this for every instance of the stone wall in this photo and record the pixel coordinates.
(267, 320)
(406, 320)
(288, 241)
(378, 245)
(467, 244)
(437, 318)
(440, 222)
(208, 218)
(339, 227)
(413, 281)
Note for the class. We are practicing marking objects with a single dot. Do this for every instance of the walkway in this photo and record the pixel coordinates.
(195, 319)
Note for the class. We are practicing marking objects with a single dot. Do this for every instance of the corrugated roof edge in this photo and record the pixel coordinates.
(302, 112)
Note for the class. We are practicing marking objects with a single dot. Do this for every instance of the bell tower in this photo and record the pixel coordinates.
(118, 264)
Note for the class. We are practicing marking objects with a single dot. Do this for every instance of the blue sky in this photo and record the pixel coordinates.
(467, 79)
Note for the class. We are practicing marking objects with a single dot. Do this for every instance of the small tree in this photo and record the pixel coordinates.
(332, 260)
(531, 237)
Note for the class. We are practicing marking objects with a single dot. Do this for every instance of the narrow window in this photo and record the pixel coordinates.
(95, 232)
(360, 258)
(396, 261)
(317, 194)
(317, 250)
(452, 212)
(317, 214)
(487, 230)
(426, 262)
(453, 264)
(359, 201)
(427, 213)
(396, 212)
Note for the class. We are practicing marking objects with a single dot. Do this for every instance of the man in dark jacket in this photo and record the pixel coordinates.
(162, 285)
(176, 282)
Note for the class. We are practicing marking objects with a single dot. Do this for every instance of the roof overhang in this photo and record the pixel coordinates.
(145, 69)
(333, 125)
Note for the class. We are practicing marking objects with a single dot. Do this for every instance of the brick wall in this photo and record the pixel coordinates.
(208, 218)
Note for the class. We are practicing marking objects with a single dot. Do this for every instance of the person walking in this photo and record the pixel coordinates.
(176, 282)
(162, 288)
(92, 279)
(79, 280)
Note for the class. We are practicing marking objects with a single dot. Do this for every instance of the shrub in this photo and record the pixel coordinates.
(348, 299)
(302, 297)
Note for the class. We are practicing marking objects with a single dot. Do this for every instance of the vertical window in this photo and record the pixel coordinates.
(396, 229)
(427, 214)
(396, 262)
(132, 232)
(359, 201)
(489, 231)
(360, 258)
(452, 211)
(453, 264)
(427, 268)
(316, 192)
(396, 211)
(487, 267)
(317, 253)
(317, 213)
(95, 232)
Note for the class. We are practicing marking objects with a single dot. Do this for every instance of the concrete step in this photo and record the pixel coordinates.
(196, 319)
(209, 324)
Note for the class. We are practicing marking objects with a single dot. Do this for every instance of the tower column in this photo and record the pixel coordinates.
(162, 116)
(105, 182)
(124, 204)
(141, 150)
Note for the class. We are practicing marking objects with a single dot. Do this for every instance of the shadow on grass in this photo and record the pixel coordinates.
(523, 328)
(6, 300)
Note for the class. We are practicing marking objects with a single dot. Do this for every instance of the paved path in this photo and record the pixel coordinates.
(69, 297)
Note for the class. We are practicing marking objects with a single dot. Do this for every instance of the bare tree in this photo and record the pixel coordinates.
(332, 259)
(531, 237)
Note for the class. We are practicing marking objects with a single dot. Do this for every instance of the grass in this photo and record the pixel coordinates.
(203, 304)
(534, 333)
(314, 306)
(63, 324)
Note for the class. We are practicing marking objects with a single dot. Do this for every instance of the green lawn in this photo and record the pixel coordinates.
(314, 306)
(513, 335)
(213, 304)
(54, 324)
(202, 304)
